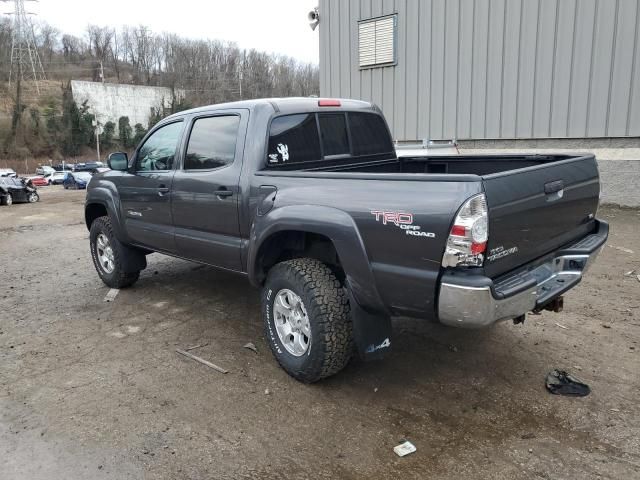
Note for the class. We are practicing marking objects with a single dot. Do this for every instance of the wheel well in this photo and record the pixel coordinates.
(93, 211)
(288, 244)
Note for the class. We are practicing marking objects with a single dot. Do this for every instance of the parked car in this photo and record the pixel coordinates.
(87, 167)
(100, 170)
(55, 178)
(63, 167)
(76, 180)
(308, 199)
(44, 170)
(38, 181)
(7, 172)
(14, 190)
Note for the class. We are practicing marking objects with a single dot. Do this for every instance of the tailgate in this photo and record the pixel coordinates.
(535, 210)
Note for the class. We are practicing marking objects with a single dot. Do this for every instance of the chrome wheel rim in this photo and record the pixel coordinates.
(33, 198)
(9, 200)
(292, 322)
(105, 253)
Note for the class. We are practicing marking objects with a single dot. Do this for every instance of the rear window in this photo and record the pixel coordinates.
(313, 137)
(294, 139)
(333, 128)
(369, 134)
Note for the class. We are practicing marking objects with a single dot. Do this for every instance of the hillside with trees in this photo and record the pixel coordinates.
(50, 124)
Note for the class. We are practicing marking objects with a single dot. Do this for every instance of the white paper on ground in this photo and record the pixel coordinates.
(404, 449)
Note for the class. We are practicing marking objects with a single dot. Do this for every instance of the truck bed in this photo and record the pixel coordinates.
(455, 164)
(537, 203)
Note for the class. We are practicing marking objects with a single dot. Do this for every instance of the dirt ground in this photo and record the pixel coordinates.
(92, 389)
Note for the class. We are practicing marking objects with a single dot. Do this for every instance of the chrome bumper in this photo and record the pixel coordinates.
(479, 306)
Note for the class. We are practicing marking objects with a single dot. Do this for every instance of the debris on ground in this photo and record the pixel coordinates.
(188, 349)
(111, 295)
(629, 273)
(622, 249)
(562, 326)
(202, 361)
(250, 346)
(604, 325)
(560, 382)
(405, 448)
(266, 391)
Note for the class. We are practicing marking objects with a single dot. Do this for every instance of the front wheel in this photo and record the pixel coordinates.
(33, 197)
(307, 319)
(109, 255)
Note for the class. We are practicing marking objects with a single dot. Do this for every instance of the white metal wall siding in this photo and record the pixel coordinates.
(491, 69)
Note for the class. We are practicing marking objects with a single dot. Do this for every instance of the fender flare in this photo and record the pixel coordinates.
(110, 200)
(330, 222)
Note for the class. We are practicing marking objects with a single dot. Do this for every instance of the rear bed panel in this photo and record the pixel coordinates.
(536, 210)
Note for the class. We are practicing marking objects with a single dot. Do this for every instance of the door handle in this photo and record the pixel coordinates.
(223, 192)
(162, 189)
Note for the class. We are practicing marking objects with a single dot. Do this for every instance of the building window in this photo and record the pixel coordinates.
(377, 41)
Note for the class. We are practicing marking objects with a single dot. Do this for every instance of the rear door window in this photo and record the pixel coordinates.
(293, 139)
(212, 143)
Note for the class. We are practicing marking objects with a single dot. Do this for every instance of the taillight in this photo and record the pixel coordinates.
(467, 242)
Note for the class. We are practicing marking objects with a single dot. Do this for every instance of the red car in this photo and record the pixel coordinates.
(38, 181)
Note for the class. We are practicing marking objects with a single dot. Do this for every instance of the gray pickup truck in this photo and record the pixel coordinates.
(308, 199)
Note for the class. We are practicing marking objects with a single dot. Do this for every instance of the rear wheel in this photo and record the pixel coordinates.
(110, 255)
(7, 199)
(307, 319)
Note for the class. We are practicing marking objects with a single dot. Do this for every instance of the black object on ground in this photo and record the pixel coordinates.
(560, 382)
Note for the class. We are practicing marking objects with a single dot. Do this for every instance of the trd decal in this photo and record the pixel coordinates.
(402, 220)
(500, 252)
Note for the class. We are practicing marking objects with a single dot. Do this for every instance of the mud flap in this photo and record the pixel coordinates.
(133, 259)
(371, 331)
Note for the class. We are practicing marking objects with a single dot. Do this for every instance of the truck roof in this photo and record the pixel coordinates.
(284, 105)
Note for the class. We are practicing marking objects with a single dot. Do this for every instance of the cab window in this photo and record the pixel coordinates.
(159, 150)
(212, 143)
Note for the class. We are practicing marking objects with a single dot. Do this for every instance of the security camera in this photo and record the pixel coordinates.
(314, 18)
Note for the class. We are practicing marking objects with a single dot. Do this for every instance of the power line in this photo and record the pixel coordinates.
(25, 61)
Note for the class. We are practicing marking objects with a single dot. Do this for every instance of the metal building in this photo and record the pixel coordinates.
(487, 69)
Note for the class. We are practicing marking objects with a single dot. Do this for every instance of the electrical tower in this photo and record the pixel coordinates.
(25, 61)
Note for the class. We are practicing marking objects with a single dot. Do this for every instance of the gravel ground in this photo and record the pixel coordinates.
(94, 389)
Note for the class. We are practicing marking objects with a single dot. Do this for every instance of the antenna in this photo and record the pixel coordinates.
(25, 61)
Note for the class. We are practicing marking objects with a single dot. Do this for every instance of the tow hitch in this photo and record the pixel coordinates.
(555, 305)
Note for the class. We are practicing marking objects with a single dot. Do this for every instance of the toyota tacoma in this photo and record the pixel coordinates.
(309, 200)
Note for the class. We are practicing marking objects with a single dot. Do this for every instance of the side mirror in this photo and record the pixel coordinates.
(118, 161)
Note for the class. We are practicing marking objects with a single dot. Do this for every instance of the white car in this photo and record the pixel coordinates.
(55, 178)
(7, 172)
(44, 170)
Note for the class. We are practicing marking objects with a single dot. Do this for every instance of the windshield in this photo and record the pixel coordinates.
(82, 176)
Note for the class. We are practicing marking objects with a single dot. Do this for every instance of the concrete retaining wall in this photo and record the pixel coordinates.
(110, 101)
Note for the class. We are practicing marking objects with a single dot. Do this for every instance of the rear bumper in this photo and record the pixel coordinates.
(470, 301)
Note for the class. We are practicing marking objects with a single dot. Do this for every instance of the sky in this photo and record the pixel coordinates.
(274, 26)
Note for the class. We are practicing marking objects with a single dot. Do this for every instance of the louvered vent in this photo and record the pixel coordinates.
(377, 41)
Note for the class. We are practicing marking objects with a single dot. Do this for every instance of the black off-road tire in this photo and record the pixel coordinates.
(121, 276)
(327, 307)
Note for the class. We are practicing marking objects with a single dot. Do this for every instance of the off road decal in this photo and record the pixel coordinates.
(402, 220)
